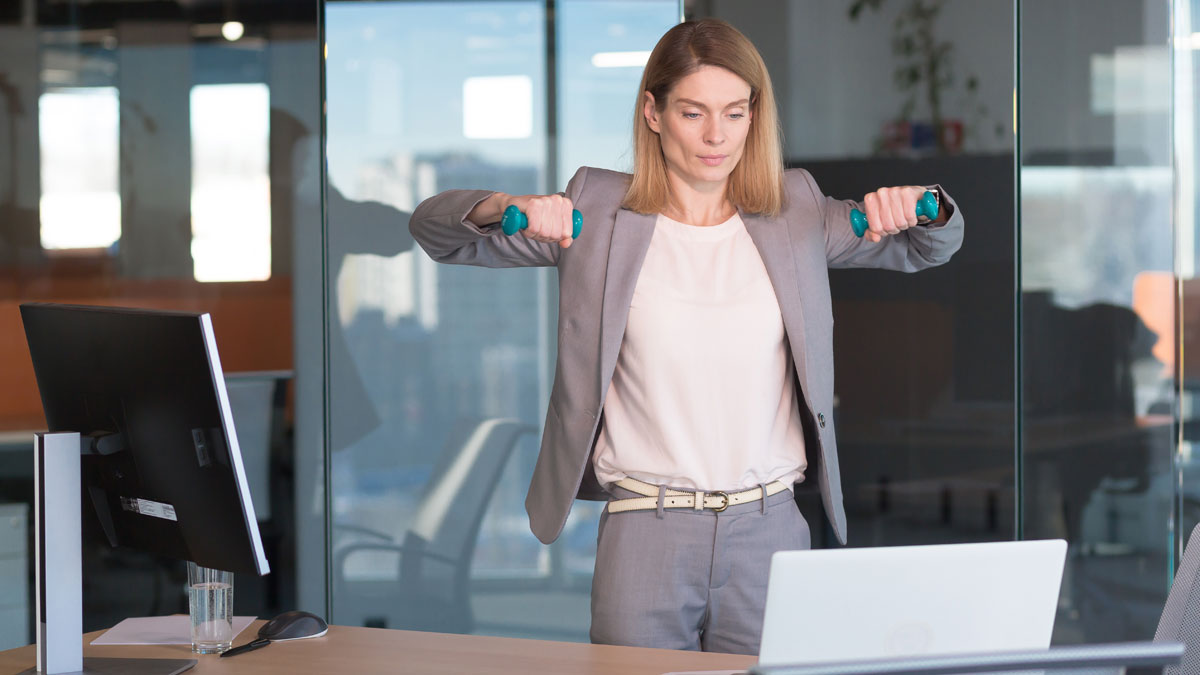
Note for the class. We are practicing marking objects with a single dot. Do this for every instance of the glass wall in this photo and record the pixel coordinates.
(147, 159)
(439, 374)
(170, 155)
(924, 362)
(1025, 389)
(1185, 41)
(1097, 299)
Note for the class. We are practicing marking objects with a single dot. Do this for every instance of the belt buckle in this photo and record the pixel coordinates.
(723, 495)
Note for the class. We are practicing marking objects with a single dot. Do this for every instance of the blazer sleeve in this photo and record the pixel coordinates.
(914, 249)
(439, 224)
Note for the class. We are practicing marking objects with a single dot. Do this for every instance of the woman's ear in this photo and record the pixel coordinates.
(650, 112)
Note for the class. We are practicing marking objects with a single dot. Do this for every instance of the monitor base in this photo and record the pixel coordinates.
(95, 666)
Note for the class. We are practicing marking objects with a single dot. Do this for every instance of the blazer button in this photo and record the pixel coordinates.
(821, 419)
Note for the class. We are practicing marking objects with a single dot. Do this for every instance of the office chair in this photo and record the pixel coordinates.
(1180, 621)
(431, 591)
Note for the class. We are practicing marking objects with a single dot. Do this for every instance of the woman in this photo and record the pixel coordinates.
(695, 366)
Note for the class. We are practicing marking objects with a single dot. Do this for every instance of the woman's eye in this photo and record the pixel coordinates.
(737, 116)
(691, 115)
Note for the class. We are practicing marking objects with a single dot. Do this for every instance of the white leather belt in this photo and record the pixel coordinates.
(675, 499)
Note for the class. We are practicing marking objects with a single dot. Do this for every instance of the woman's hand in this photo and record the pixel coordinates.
(891, 210)
(550, 217)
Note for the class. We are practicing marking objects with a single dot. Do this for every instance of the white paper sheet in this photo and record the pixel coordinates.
(159, 630)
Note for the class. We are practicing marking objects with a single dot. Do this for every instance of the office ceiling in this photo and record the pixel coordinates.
(98, 14)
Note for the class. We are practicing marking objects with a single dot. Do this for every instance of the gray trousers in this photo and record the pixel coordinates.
(687, 579)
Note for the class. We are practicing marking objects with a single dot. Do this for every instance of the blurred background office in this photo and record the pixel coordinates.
(258, 159)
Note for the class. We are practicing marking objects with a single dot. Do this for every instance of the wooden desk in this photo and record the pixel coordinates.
(375, 650)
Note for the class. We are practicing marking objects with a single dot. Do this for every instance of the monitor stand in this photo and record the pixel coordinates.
(58, 567)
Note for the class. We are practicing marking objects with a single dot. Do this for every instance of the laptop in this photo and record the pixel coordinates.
(864, 603)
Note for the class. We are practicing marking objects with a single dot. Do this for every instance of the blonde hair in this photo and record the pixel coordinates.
(756, 183)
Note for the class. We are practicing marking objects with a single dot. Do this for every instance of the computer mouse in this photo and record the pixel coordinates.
(294, 625)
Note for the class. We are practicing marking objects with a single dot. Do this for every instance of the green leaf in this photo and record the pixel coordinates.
(859, 5)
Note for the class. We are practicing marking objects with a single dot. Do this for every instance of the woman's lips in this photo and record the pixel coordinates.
(712, 160)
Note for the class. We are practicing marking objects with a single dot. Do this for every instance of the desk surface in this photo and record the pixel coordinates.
(375, 650)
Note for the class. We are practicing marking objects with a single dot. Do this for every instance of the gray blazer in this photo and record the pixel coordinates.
(596, 278)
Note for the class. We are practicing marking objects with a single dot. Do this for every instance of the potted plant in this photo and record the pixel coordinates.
(924, 72)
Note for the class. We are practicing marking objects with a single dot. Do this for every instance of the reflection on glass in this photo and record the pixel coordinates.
(498, 107)
(231, 192)
(620, 59)
(116, 128)
(81, 202)
(1186, 42)
(435, 377)
(439, 373)
(924, 363)
(603, 46)
(1097, 300)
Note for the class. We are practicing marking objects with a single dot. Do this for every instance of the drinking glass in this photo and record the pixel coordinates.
(210, 605)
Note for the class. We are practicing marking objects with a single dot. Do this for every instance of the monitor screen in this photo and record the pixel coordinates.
(160, 462)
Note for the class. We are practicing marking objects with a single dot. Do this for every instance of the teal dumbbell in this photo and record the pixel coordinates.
(514, 221)
(927, 206)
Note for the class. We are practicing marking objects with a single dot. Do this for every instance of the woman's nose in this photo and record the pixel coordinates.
(713, 134)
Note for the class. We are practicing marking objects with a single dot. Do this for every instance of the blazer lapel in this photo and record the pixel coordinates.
(774, 244)
(626, 253)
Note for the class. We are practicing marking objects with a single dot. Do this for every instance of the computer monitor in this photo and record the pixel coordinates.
(161, 466)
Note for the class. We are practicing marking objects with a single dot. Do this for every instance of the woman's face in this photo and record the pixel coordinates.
(703, 126)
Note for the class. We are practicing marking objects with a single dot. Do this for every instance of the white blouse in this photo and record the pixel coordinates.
(703, 395)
